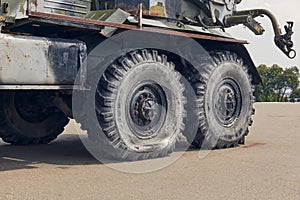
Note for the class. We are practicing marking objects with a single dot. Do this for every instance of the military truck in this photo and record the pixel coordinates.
(133, 97)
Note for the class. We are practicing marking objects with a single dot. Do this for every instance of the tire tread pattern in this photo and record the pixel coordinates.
(199, 82)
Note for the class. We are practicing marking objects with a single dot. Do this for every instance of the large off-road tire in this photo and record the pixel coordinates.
(26, 119)
(139, 106)
(224, 100)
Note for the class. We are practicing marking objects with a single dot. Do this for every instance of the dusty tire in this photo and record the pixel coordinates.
(224, 100)
(139, 106)
(22, 121)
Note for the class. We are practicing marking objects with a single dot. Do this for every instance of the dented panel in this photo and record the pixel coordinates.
(39, 61)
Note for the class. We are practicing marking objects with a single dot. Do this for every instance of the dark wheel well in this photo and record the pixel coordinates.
(27, 117)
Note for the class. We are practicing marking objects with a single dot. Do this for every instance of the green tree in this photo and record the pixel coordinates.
(276, 82)
(296, 94)
(288, 80)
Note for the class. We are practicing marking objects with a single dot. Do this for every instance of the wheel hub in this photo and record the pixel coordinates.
(147, 109)
(30, 106)
(227, 102)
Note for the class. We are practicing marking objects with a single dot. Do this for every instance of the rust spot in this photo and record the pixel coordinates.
(253, 145)
(33, 5)
(35, 2)
(8, 58)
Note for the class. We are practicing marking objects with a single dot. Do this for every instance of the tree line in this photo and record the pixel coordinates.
(278, 84)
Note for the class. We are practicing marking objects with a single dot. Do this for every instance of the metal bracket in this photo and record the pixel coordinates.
(285, 43)
(212, 12)
(255, 27)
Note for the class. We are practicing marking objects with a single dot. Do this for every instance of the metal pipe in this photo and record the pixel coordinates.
(237, 19)
(283, 42)
(259, 12)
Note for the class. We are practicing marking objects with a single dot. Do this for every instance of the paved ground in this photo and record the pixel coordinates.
(267, 167)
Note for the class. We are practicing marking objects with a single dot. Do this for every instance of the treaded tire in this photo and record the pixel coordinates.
(16, 130)
(118, 135)
(224, 100)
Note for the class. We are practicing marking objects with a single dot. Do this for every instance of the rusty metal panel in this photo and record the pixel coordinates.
(26, 60)
(160, 8)
(215, 36)
(77, 8)
(17, 9)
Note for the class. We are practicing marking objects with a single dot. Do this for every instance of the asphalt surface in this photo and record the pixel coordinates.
(267, 167)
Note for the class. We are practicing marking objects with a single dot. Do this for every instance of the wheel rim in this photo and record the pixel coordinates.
(30, 107)
(227, 102)
(146, 109)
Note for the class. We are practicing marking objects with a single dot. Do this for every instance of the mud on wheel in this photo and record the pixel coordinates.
(225, 101)
(26, 117)
(139, 106)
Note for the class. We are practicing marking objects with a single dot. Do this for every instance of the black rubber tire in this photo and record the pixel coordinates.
(117, 138)
(15, 129)
(224, 71)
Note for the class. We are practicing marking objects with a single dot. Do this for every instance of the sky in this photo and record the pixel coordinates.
(262, 48)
